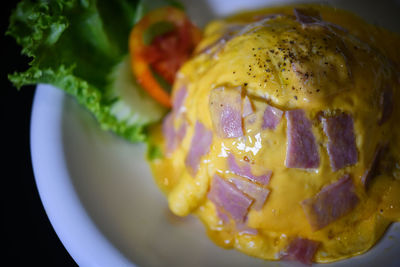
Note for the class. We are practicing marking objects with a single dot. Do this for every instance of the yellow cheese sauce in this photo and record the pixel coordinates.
(341, 70)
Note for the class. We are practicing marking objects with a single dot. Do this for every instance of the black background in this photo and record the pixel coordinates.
(28, 235)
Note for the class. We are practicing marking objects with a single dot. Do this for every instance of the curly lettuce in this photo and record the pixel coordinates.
(81, 47)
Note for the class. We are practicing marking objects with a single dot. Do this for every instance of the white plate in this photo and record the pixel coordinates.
(102, 201)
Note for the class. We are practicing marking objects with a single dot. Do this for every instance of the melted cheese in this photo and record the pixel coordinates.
(340, 70)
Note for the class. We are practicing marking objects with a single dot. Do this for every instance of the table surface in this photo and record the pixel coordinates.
(29, 236)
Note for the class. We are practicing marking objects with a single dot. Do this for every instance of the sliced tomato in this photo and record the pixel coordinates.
(162, 50)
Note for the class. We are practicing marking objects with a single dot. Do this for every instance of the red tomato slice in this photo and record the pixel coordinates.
(165, 54)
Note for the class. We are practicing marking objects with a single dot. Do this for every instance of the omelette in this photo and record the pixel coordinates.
(283, 138)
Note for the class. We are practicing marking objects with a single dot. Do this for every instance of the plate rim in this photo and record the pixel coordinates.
(56, 190)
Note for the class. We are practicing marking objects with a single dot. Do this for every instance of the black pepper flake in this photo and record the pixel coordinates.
(318, 90)
(245, 84)
(295, 97)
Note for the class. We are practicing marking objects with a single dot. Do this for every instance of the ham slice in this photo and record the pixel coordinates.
(307, 16)
(226, 112)
(245, 171)
(179, 98)
(240, 226)
(302, 150)
(341, 145)
(180, 133)
(331, 203)
(222, 214)
(302, 250)
(169, 132)
(247, 107)
(263, 117)
(271, 118)
(226, 196)
(373, 169)
(257, 193)
(386, 102)
(243, 228)
(172, 136)
(311, 17)
(200, 146)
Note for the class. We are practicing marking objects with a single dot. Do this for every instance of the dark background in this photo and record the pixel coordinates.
(28, 236)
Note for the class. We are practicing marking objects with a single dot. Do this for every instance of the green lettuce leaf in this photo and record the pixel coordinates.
(81, 47)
